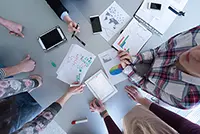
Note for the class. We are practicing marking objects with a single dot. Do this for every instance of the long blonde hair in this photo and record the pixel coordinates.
(141, 121)
(141, 126)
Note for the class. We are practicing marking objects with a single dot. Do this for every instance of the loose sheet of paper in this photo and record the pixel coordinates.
(75, 65)
(112, 67)
(112, 20)
(100, 86)
(133, 37)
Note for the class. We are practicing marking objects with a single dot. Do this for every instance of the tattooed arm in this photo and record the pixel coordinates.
(11, 87)
(43, 119)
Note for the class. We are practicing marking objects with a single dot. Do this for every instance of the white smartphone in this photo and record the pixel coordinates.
(96, 24)
(155, 6)
(52, 38)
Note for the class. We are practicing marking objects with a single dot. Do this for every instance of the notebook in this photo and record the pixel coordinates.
(133, 38)
(158, 21)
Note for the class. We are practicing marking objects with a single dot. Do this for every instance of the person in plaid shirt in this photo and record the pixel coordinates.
(174, 75)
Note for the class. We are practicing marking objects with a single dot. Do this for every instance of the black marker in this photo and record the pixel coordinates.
(80, 40)
(174, 10)
(128, 60)
(74, 31)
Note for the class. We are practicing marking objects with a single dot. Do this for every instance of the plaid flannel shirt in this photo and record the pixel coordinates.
(164, 80)
(2, 74)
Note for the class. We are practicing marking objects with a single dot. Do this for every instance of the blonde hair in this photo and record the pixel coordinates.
(142, 127)
(141, 121)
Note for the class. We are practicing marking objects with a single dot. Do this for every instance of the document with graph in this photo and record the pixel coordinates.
(111, 64)
(133, 38)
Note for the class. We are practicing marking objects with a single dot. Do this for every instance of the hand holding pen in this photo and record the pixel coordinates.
(73, 27)
(74, 35)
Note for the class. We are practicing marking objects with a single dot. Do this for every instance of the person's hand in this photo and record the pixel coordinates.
(75, 90)
(14, 28)
(72, 27)
(97, 106)
(134, 94)
(125, 58)
(26, 65)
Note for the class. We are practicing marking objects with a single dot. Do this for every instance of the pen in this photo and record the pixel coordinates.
(128, 60)
(80, 40)
(74, 31)
(174, 10)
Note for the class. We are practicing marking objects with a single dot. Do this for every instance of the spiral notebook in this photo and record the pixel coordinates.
(158, 21)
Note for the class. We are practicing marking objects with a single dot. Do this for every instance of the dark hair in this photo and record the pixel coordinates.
(7, 114)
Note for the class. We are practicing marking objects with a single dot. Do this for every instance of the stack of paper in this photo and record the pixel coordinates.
(75, 65)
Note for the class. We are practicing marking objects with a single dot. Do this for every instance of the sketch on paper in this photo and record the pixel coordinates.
(112, 20)
(112, 66)
(75, 65)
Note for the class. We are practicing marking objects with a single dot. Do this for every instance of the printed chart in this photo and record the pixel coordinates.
(112, 20)
(112, 66)
(133, 37)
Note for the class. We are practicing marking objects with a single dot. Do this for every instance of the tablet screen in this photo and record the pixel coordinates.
(50, 39)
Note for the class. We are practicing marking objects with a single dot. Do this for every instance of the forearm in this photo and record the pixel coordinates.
(12, 87)
(40, 122)
(67, 19)
(134, 78)
(145, 57)
(110, 124)
(10, 71)
(3, 21)
(62, 100)
(180, 124)
(43, 119)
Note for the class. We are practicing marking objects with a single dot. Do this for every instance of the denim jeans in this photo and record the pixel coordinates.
(27, 109)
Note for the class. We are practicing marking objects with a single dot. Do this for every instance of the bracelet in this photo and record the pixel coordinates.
(103, 113)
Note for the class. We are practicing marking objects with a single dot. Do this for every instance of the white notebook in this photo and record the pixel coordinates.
(159, 21)
(133, 38)
(75, 65)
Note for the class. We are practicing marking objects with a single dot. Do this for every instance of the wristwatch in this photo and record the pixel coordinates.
(103, 113)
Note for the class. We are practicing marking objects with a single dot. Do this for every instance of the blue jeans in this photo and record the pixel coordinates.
(26, 109)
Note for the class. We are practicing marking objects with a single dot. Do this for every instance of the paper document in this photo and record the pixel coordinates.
(75, 65)
(100, 86)
(112, 66)
(160, 19)
(112, 21)
(133, 37)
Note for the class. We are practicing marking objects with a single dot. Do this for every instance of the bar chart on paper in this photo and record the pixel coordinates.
(122, 43)
(133, 37)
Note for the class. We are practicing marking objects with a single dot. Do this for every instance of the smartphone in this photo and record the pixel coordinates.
(96, 24)
(52, 38)
(155, 6)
